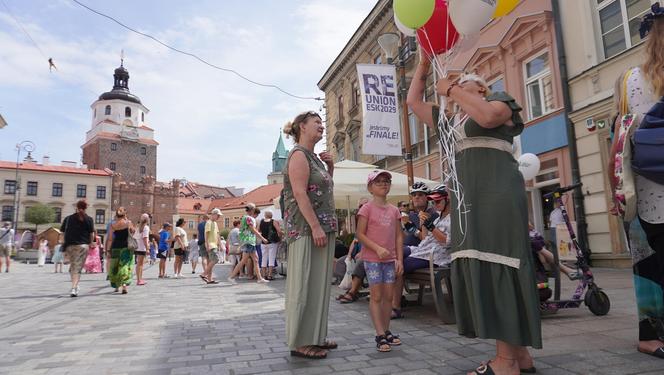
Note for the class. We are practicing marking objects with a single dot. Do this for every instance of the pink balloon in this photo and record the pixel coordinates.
(438, 34)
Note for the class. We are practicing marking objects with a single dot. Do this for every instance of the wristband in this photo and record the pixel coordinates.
(449, 89)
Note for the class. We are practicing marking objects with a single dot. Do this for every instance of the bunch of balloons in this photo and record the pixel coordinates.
(438, 24)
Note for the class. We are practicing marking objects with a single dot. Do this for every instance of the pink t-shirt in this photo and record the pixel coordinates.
(382, 223)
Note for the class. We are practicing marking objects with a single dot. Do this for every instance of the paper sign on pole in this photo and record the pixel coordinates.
(381, 131)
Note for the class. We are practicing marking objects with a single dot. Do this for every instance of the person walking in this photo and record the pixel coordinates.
(311, 226)
(379, 232)
(234, 250)
(58, 258)
(248, 237)
(42, 252)
(142, 236)
(641, 89)
(211, 245)
(79, 234)
(223, 249)
(492, 270)
(180, 244)
(193, 252)
(271, 231)
(162, 249)
(6, 244)
(122, 258)
(92, 262)
(202, 249)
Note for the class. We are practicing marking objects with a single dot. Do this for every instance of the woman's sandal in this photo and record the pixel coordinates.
(397, 314)
(329, 344)
(484, 369)
(531, 370)
(309, 352)
(392, 339)
(659, 352)
(382, 345)
(347, 298)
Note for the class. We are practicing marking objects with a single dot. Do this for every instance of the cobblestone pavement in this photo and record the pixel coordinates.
(185, 327)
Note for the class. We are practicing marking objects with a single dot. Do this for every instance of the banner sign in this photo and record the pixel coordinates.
(381, 131)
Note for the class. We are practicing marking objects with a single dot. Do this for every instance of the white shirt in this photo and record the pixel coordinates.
(649, 194)
(555, 218)
(183, 237)
(429, 244)
(139, 236)
(7, 238)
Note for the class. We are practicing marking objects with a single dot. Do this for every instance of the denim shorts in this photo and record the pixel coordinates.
(246, 248)
(380, 273)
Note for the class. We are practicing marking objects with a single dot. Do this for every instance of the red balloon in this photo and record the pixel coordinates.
(438, 34)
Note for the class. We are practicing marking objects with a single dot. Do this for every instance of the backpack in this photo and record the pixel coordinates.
(648, 151)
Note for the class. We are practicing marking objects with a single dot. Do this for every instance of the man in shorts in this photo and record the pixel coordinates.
(212, 245)
(202, 251)
(79, 232)
(6, 242)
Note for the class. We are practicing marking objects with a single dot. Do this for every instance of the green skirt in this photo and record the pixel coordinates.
(120, 272)
(493, 279)
(308, 291)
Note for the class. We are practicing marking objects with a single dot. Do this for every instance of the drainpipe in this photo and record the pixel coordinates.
(579, 208)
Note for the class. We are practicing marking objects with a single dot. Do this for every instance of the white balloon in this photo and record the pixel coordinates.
(529, 166)
(405, 30)
(470, 16)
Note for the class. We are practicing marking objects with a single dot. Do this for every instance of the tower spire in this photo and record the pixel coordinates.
(122, 57)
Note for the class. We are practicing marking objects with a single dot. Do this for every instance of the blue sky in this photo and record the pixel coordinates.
(212, 126)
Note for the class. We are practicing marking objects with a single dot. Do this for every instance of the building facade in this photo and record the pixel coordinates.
(344, 105)
(57, 186)
(265, 197)
(601, 41)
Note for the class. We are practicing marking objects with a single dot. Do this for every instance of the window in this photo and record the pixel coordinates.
(497, 85)
(114, 146)
(7, 213)
(81, 190)
(100, 217)
(355, 94)
(32, 188)
(107, 110)
(10, 186)
(142, 169)
(227, 222)
(614, 15)
(127, 112)
(191, 224)
(539, 87)
(142, 116)
(101, 192)
(56, 190)
(144, 151)
(111, 166)
(58, 214)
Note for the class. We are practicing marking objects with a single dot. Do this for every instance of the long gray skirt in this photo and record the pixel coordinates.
(308, 291)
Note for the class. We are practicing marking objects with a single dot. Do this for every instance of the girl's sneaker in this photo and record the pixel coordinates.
(140, 282)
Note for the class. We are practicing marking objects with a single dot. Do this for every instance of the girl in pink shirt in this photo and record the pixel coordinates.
(379, 232)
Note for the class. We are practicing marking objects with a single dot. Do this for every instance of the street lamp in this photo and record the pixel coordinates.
(390, 43)
(28, 147)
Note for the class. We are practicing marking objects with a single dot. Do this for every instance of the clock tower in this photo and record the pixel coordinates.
(119, 138)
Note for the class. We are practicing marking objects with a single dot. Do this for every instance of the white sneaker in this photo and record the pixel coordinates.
(73, 292)
(263, 281)
(232, 280)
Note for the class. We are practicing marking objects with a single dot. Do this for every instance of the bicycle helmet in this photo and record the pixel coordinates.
(419, 187)
(438, 192)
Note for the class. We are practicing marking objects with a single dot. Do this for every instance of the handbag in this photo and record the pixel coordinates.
(132, 243)
(347, 281)
(625, 193)
(648, 154)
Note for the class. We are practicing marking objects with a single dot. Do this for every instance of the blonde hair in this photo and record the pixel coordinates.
(293, 128)
(653, 67)
(145, 220)
(121, 212)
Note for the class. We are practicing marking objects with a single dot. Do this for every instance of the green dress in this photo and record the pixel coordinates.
(309, 267)
(493, 283)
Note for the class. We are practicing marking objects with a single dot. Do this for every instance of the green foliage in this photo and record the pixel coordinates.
(40, 214)
(224, 233)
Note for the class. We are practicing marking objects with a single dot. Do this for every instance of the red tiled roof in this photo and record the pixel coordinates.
(196, 190)
(107, 135)
(54, 168)
(261, 196)
(187, 205)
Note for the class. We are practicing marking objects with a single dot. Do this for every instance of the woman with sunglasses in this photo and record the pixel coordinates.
(311, 226)
(494, 289)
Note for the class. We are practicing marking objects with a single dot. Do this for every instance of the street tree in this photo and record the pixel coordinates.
(39, 214)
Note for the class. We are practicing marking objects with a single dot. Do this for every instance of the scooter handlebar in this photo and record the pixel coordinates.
(562, 190)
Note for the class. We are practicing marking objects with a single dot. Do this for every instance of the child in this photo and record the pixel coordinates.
(58, 258)
(379, 232)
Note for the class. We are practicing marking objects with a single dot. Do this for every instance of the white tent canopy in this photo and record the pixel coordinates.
(350, 184)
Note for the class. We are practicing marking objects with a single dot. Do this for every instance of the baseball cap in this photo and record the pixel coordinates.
(216, 211)
(375, 173)
(166, 225)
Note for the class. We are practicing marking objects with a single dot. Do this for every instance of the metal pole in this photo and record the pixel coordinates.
(408, 157)
(579, 208)
(29, 147)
